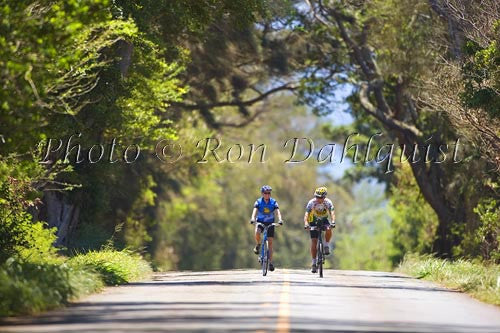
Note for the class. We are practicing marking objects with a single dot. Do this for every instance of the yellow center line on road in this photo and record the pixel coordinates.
(283, 325)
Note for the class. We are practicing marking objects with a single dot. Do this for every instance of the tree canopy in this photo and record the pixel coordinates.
(91, 87)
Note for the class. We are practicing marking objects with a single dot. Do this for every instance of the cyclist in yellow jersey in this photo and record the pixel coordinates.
(318, 212)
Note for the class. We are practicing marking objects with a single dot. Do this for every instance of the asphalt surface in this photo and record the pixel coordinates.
(284, 301)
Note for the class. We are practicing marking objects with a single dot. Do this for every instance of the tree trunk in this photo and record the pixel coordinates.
(125, 50)
(62, 215)
(429, 178)
(429, 185)
(455, 33)
(394, 117)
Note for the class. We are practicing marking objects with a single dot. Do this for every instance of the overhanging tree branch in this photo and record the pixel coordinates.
(242, 105)
(235, 102)
(392, 123)
(364, 58)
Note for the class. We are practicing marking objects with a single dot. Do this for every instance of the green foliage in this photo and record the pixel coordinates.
(13, 225)
(363, 237)
(50, 53)
(400, 34)
(137, 103)
(32, 277)
(200, 250)
(27, 287)
(475, 278)
(90, 237)
(205, 225)
(80, 88)
(137, 225)
(19, 236)
(114, 267)
(39, 246)
(488, 234)
(169, 20)
(67, 70)
(395, 50)
(481, 76)
(121, 69)
(414, 222)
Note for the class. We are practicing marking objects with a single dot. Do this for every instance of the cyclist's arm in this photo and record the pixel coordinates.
(332, 215)
(254, 212)
(306, 218)
(279, 214)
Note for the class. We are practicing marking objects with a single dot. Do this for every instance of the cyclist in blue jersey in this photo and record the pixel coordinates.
(263, 212)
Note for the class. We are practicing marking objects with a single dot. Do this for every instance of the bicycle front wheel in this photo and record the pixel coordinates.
(320, 259)
(265, 259)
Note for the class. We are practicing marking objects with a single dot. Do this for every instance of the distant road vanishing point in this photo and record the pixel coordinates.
(283, 301)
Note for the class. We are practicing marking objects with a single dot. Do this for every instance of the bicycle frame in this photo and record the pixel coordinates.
(320, 254)
(264, 250)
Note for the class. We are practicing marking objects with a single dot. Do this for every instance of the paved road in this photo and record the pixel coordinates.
(284, 301)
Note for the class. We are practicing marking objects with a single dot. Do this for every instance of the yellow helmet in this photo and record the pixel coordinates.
(320, 192)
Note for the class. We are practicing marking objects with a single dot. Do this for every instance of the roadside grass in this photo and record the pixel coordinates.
(115, 267)
(28, 287)
(31, 287)
(477, 279)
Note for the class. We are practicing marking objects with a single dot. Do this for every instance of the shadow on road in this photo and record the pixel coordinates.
(238, 313)
(166, 317)
(320, 283)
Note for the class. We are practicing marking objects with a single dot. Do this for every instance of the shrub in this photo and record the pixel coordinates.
(27, 287)
(488, 234)
(19, 236)
(115, 267)
(31, 287)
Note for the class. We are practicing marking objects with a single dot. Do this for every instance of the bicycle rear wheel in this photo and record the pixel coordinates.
(265, 259)
(320, 259)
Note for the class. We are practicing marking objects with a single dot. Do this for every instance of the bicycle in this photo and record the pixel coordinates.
(264, 249)
(320, 254)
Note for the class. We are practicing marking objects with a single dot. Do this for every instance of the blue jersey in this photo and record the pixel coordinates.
(265, 210)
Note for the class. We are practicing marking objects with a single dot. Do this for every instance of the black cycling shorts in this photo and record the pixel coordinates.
(270, 230)
(315, 233)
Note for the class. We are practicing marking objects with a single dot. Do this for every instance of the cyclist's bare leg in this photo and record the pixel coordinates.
(270, 243)
(328, 235)
(314, 243)
(257, 236)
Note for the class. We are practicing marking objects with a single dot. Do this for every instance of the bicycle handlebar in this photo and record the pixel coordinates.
(315, 227)
(265, 225)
